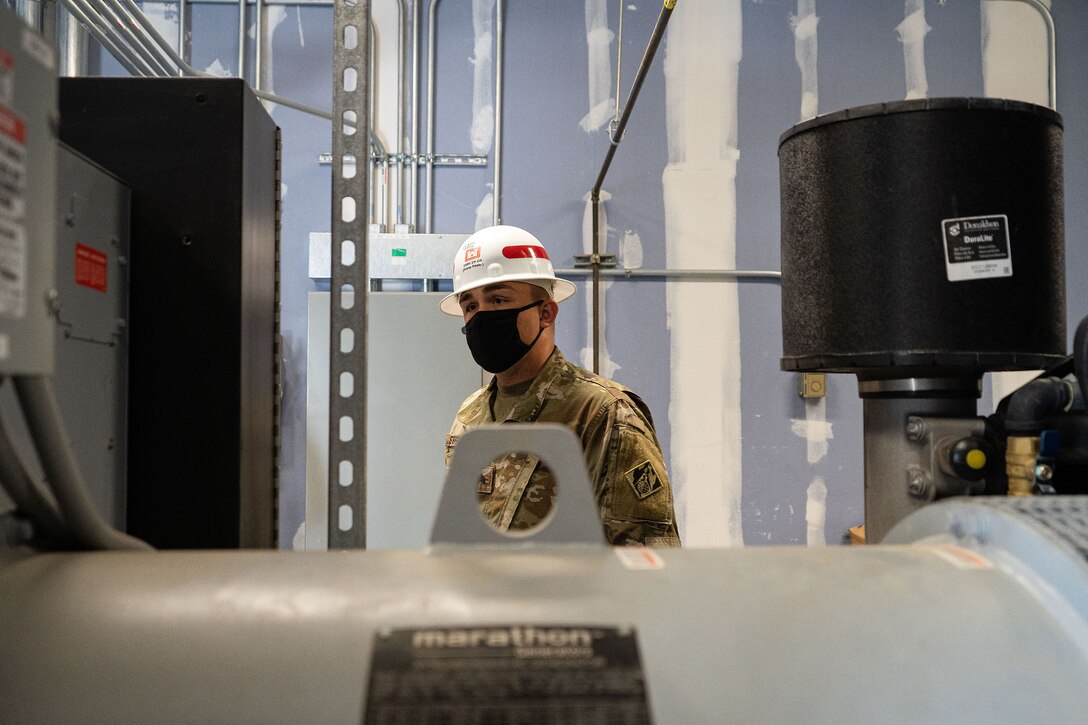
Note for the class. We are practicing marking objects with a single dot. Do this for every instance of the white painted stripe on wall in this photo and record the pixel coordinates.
(804, 50)
(816, 512)
(483, 106)
(599, 40)
(912, 34)
(702, 58)
(631, 250)
(815, 429)
(485, 212)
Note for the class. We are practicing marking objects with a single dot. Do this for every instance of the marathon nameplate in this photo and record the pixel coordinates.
(521, 673)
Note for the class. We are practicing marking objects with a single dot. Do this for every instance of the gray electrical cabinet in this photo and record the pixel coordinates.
(90, 335)
(28, 102)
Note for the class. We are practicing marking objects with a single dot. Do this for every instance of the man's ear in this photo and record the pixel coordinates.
(548, 312)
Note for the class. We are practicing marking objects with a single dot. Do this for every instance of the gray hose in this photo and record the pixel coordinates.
(29, 497)
(43, 419)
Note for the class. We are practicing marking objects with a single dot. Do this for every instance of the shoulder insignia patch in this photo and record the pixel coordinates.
(643, 480)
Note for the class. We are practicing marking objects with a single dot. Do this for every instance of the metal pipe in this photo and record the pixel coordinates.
(619, 66)
(265, 95)
(496, 207)
(160, 42)
(190, 70)
(616, 137)
(73, 60)
(382, 167)
(31, 12)
(413, 183)
(890, 460)
(402, 90)
(258, 40)
(676, 273)
(120, 30)
(1051, 43)
(93, 19)
(429, 225)
(183, 20)
(121, 56)
(242, 39)
(595, 298)
(143, 41)
(636, 87)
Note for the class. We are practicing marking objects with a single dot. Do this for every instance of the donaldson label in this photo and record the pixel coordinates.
(507, 674)
(977, 247)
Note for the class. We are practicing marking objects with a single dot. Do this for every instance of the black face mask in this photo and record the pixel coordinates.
(493, 338)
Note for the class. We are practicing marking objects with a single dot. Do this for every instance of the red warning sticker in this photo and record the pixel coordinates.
(91, 268)
(12, 126)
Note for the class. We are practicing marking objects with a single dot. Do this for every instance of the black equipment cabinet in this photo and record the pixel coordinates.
(202, 158)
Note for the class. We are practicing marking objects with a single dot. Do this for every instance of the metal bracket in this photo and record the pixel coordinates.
(594, 260)
(812, 385)
(573, 518)
(325, 159)
(930, 477)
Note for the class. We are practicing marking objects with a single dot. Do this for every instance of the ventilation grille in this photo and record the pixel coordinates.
(1065, 516)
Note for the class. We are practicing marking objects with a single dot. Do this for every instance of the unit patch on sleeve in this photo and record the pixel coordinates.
(644, 480)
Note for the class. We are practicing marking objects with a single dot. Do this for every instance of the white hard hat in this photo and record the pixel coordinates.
(502, 254)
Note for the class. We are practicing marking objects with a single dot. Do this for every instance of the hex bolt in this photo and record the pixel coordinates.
(916, 428)
(916, 483)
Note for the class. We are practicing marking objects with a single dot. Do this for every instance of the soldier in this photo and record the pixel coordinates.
(506, 290)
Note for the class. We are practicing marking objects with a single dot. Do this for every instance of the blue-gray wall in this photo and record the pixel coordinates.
(550, 163)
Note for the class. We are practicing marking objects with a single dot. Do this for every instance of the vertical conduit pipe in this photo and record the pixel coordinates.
(616, 137)
(31, 12)
(500, 16)
(242, 39)
(432, 16)
(413, 182)
(402, 90)
(72, 40)
(382, 154)
(1052, 68)
(183, 20)
(258, 42)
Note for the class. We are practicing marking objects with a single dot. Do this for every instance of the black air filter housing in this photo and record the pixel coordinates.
(923, 236)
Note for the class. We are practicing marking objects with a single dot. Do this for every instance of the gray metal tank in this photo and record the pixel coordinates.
(977, 615)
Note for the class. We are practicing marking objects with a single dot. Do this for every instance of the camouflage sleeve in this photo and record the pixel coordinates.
(631, 483)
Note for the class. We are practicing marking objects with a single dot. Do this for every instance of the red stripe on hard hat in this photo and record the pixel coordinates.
(524, 251)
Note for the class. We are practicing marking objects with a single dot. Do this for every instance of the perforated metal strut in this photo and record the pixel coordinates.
(347, 353)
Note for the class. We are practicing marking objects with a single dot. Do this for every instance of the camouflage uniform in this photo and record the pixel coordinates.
(622, 455)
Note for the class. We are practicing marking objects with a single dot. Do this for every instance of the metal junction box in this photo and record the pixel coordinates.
(28, 101)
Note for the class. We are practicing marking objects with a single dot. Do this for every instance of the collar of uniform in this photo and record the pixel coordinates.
(544, 387)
